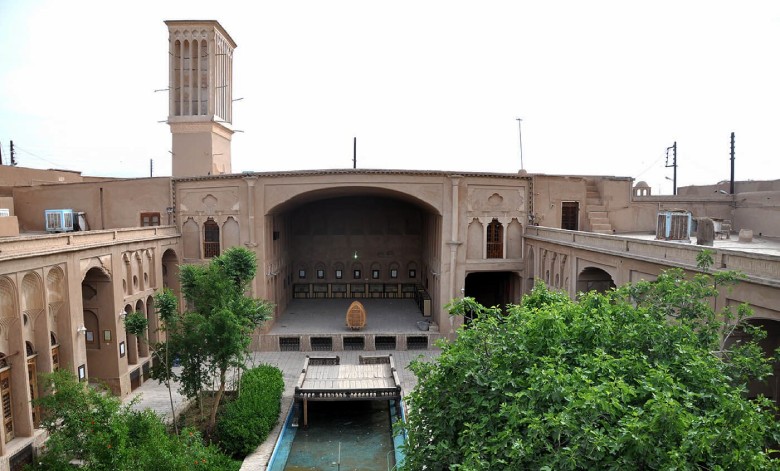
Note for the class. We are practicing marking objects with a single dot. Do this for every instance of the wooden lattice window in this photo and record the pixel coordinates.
(150, 219)
(210, 239)
(8, 414)
(32, 380)
(495, 240)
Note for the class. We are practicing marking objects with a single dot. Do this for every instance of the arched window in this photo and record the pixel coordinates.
(495, 240)
(210, 239)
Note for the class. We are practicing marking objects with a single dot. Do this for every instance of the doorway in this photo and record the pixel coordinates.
(570, 215)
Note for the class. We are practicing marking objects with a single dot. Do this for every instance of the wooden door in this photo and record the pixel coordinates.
(55, 358)
(32, 377)
(570, 215)
(8, 414)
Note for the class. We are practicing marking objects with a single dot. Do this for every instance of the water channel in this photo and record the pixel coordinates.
(342, 436)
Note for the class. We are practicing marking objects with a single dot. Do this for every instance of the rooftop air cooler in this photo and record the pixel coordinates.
(674, 225)
(59, 220)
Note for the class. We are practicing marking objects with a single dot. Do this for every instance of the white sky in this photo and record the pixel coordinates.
(603, 87)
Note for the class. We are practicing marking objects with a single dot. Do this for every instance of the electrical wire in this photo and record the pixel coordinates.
(652, 165)
(17, 148)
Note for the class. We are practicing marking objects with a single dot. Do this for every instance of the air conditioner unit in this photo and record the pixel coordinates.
(5, 212)
(59, 220)
(674, 225)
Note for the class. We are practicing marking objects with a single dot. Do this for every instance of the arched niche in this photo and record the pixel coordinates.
(514, 240)
(231, 233)
(170, 270)
(8, 311)
(474, 240)
(190, 235)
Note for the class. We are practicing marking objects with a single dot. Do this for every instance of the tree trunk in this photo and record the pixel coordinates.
(213, 418)
(170, 394)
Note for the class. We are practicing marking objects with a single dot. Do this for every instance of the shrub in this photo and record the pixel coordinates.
(93, 428)
(248, 420)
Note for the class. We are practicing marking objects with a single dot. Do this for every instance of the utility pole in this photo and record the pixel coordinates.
(1, 153)
(520, 131)
(151, 167)
(13, 155)
(673, 148)
(731, 187)
(354, 152)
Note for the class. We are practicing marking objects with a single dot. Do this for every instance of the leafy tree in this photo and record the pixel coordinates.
(635, 378)
(136, 324)
(167, 307)
(216, 334)
(91, 428)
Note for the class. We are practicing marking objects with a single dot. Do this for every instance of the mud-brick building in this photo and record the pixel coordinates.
(324, 235)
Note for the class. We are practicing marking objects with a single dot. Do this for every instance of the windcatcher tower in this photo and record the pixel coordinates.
(200, 97)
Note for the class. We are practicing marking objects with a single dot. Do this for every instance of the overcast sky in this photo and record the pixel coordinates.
(603, 87)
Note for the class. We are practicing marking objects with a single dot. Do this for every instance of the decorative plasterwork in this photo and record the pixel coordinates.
(102, 263)
(493, 200)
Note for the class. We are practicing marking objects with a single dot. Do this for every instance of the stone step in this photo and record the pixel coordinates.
(592, 194)
(601, 227)
(600, 221)
(593, 202)
(597, 214)
(596, 207)
(602, 231)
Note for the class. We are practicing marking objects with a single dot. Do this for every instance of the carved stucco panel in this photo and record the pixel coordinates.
(210, 201)
(493, 199)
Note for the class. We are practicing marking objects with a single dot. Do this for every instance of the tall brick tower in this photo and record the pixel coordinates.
(200, 97)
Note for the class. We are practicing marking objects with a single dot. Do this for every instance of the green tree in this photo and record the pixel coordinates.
(167, 307)
(215, 335)
(636, 378)
(91, 428)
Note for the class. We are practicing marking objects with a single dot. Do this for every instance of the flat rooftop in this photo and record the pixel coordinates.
(759, 245)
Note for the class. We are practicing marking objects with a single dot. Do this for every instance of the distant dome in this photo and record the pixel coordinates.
(523, 172)
(642, 184)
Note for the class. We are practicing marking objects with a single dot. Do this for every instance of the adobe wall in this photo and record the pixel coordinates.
(549, 191)
(759, 212)
(7, 202)
(107, 204)
(9, 226)
(22, 176)
(739, 187)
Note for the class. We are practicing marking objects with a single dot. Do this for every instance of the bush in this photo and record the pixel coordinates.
(96, 430)
(247, 421)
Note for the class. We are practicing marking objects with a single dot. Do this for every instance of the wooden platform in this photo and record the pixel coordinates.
(325, 379)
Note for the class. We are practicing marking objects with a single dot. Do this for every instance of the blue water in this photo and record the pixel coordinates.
(342, 436)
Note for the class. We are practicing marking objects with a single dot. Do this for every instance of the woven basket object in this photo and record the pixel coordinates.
(356, 316)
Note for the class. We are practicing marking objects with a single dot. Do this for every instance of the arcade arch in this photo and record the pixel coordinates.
(594, 279)
(97, 299)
